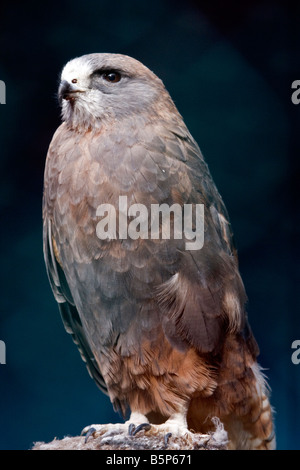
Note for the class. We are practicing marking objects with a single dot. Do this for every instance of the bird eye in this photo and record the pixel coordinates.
(74, 80)
(112, 77)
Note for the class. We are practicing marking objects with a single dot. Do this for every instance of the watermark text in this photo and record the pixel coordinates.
(163, 222)
(2, 352)
(296, 94)
(2, 92)
(296, 354)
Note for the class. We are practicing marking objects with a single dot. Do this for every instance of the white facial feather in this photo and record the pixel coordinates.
(77, 69)
(84, 112)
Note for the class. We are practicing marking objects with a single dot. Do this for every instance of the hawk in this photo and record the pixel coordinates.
(163, 329)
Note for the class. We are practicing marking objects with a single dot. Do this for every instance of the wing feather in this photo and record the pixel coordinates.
(68, 310)
(206, 296)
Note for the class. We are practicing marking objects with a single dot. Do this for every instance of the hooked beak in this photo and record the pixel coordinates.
(67, 91)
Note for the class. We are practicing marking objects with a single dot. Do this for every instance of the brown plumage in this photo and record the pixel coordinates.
(163, 329)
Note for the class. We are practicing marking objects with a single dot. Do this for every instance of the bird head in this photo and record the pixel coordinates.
(97, 88)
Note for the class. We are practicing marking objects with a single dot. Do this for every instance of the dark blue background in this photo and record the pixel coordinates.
(229, 68)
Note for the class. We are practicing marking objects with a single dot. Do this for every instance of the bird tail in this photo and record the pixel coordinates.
(240, 401)
(259, 426)
(254, 429)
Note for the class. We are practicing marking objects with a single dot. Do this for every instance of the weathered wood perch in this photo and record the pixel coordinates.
(113, 439)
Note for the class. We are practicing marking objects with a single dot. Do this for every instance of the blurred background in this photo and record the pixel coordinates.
(229, 67)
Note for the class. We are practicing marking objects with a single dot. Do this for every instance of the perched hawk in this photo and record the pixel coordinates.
(162, 328)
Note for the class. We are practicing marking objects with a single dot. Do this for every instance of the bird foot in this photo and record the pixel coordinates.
(172, 430)
(134, 425)
(144, 435)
